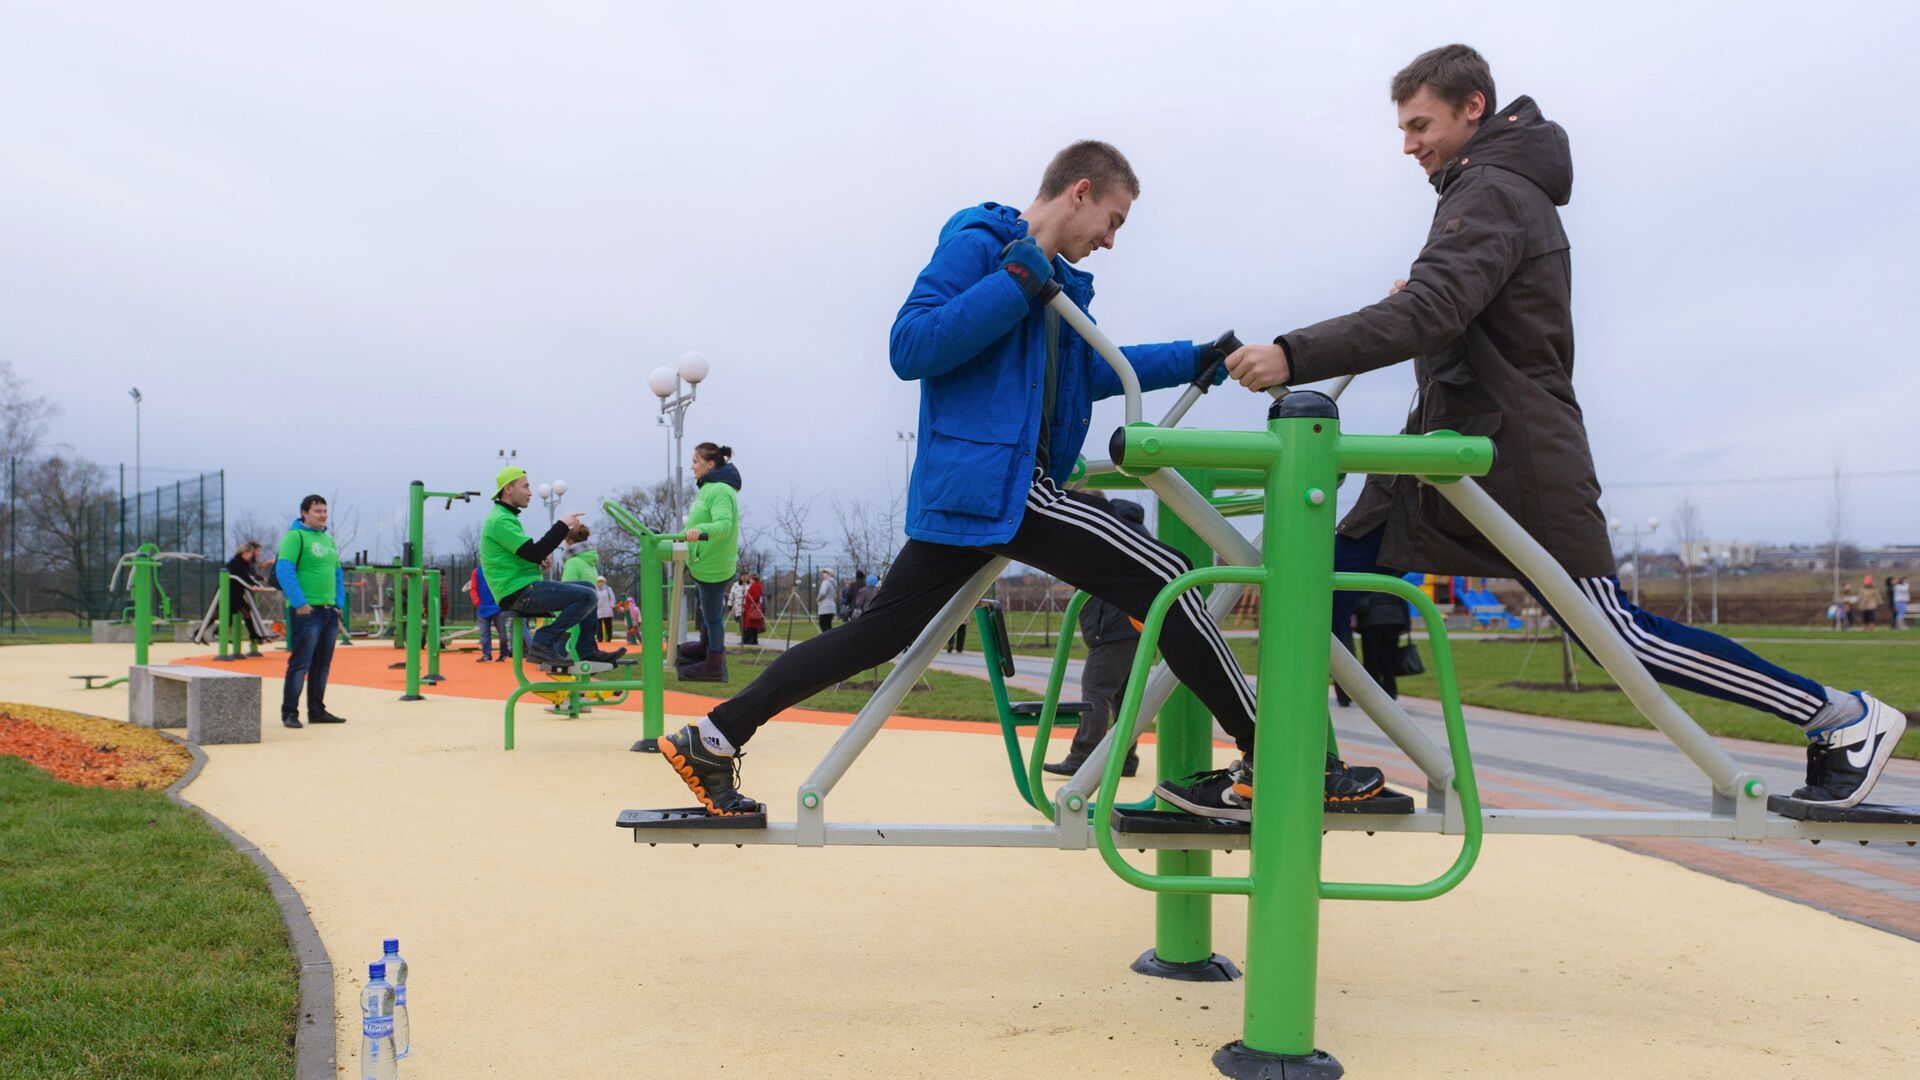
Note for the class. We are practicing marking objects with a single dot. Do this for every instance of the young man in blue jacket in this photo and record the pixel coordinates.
(309, 572)
(1006, 395)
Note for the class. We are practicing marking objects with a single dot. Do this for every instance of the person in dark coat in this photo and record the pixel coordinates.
(245, 583)
(1383, 620)
(1111, 642)
(1486, 312)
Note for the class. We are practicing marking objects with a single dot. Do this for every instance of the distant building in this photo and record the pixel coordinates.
(1734, 554)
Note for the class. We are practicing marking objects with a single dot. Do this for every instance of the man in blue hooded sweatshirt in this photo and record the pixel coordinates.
(1006, 395)
(308, 570)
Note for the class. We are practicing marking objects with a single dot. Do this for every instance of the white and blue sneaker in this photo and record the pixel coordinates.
(1843, 764)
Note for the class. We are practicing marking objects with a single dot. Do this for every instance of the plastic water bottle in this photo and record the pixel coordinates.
(397, 975)
(376, 1027)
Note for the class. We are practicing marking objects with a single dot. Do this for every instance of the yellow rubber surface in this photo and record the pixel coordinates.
(544, 943)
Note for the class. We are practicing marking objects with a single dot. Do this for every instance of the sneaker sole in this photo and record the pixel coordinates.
(680, 765)
(1879, 763)
(1224, 813)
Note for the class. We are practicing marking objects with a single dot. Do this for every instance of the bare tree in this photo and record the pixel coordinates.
(59, 492)
(23, 418)
(252, 525)
(790, 521)
(1689, 536)
(653, 505)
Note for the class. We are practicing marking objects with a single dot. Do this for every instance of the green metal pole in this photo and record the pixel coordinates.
(141, 581)
(415, 556)
(653, 677)
(1296, 605)
(433, 628)
(229, 649)
(1183, 922)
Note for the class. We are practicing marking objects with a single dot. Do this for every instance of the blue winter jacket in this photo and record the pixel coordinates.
(977, 346)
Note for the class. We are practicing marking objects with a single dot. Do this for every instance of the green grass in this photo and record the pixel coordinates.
(134, 942)
(40, 629)
(953, 697)
(1889, 673)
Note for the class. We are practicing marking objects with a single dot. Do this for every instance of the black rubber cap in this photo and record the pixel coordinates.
(1303, 403)
(1117, 446)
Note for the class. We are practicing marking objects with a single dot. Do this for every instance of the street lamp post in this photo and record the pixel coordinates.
(134, 393)
(1653, 526)
(665, 384)
(1716, 561)
(906, 453)
(550, 495)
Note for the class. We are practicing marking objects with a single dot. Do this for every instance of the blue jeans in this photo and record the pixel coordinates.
(1675, 653)
(310, 639)
(489, 625)
(572, 603)
(712, 613)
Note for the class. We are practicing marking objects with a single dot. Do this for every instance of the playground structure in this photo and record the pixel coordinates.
(573, 689)
(142, 612)
(1288, 474)
(417, 623)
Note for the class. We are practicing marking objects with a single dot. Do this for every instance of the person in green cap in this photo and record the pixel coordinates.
(713, 558)
(512, 562)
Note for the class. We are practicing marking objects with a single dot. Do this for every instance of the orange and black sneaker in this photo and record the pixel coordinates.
(1216, 793)
(1352, 783)
(713, 778)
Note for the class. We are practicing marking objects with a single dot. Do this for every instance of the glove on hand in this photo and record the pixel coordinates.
(1209, 361)
(1028, 265)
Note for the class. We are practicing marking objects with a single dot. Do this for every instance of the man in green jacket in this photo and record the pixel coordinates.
(512, 561)
(308, 571)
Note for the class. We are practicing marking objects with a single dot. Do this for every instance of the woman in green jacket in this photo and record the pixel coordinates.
(713, 556)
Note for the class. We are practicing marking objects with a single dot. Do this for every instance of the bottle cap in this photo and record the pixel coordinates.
(376, 971)
(391, 946)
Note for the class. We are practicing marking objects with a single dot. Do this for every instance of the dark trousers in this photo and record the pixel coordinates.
(1380, 653)
(571, 603)
(1103, 679)
(310, 639)
(1675, 653)
(826, 623)
(710, 598)
(1071, 536)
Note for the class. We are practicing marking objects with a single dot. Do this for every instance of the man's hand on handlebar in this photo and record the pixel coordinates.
(1028, 265)
(1258, 367)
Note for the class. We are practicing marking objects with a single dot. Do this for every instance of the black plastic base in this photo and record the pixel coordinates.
(689, 817)
(1215, 968)
(645, 746)
(1865, 813)
(1237, 1061)
(1175, 822)
(433, 678)
(228, 659)
(412, 697)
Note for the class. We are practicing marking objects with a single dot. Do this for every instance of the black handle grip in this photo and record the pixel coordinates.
(1226, 345)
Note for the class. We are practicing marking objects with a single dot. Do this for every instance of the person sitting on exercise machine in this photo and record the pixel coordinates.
(1006, 396)
(1487, 312)
(512, 562)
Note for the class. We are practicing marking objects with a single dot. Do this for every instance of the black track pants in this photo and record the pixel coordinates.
(1074, 537)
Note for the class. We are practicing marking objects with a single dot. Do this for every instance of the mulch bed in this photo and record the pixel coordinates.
(90, 751)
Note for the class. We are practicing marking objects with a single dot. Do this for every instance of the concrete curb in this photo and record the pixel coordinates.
(314, 1053)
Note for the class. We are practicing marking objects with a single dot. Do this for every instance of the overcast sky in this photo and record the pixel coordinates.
(340, 247)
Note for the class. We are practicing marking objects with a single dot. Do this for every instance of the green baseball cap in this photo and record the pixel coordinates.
(507, 476)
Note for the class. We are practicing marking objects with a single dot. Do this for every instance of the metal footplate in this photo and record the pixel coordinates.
(1864, 814)
(584, 667)
(688, 818)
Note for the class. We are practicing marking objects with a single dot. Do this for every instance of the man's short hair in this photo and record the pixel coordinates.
(310, 502)
(579, 533)
(1093, 160)
(1452, 72)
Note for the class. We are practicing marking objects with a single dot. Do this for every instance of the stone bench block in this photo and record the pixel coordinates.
(214, 706)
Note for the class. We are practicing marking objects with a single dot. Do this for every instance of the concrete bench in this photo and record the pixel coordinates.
(214, 706)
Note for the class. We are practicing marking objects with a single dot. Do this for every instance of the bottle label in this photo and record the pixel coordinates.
(377, 1027)
(400, 995)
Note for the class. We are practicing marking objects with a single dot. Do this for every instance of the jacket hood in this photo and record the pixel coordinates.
(587, 551)
(298, 524)
(724, 473)
(1519, 140)
(1004, 223)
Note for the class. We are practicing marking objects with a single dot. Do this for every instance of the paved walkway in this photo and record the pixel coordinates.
(544, 943)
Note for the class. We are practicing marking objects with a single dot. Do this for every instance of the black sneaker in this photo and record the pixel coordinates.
(1217, 793)
(714, 778)
(1843, 775)
(322, 716)
(1352, 783)
(291, 720)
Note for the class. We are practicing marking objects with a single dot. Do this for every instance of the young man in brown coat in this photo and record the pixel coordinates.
(1486, 312)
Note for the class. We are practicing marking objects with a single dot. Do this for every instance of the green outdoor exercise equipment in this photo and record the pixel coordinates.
(143, 587)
